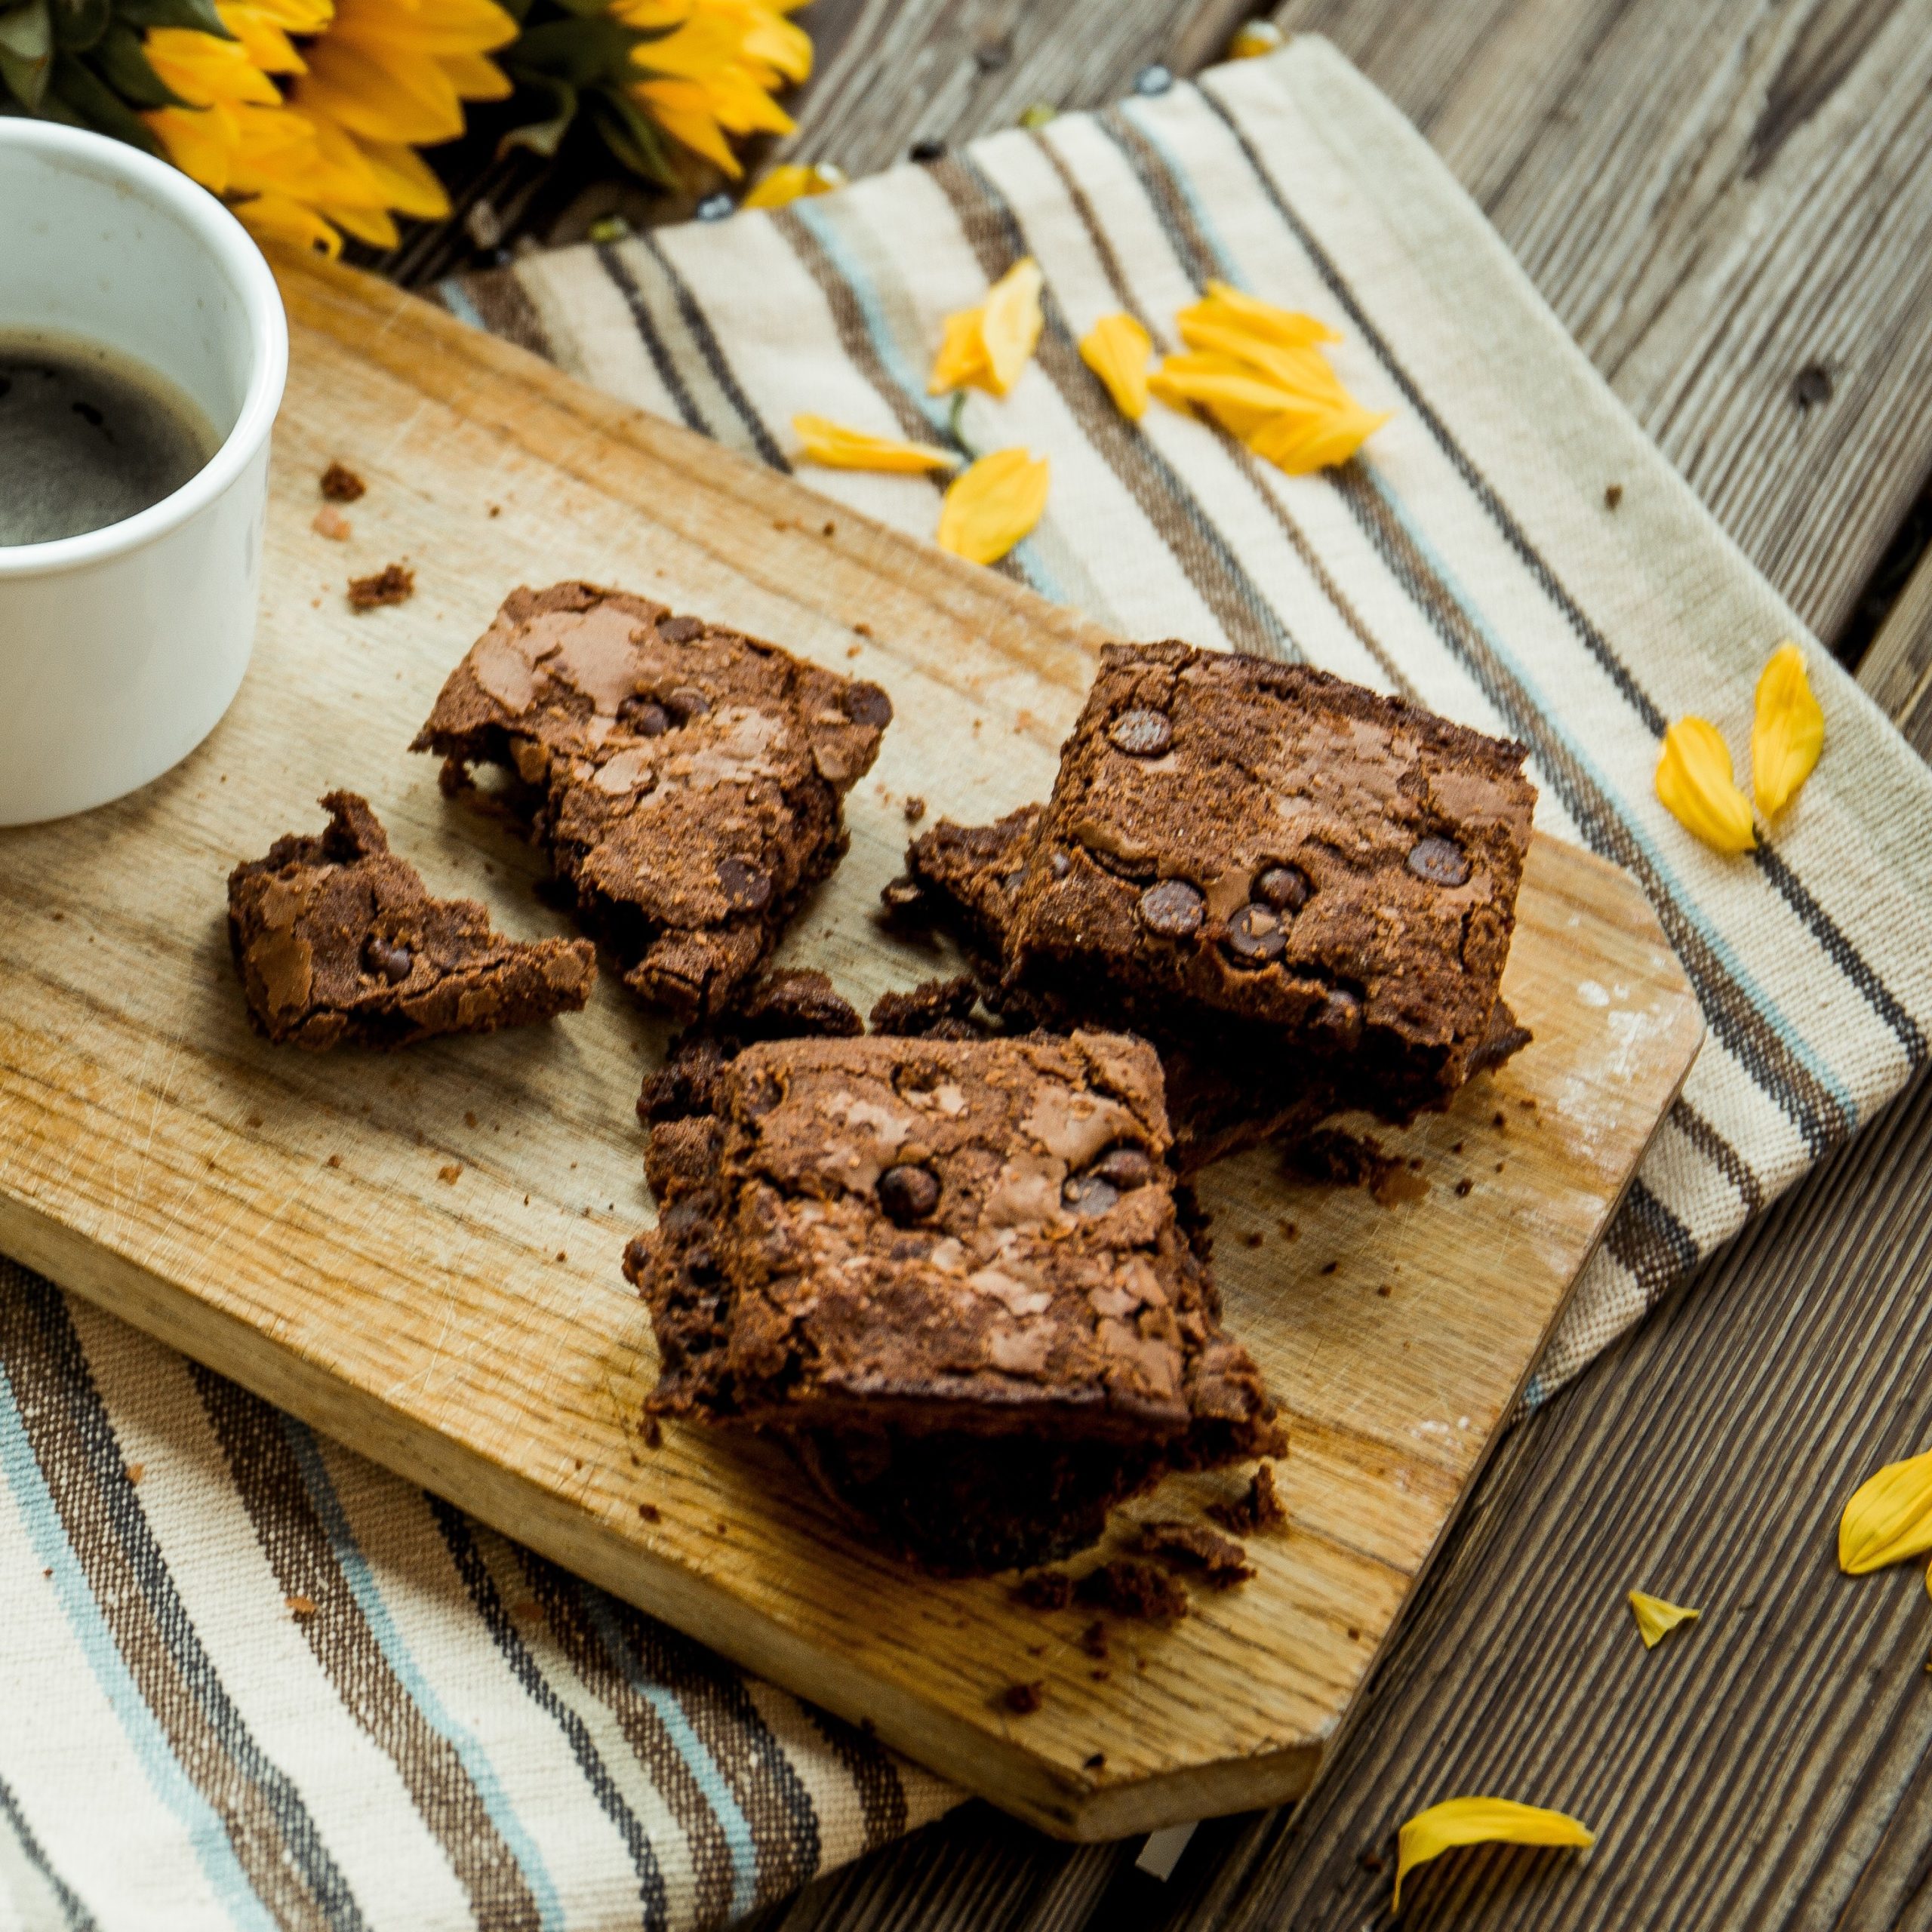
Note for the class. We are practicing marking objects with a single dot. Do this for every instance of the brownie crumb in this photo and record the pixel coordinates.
(1613, 495)
(394, 584)
(1023, 1700)
(300, 1607)
(341, 485)
(653, 1433)
(1095, 1761)
(1330, 1157)
(1256, 1510)
(915, 810)
(1220, 1564)
(1129, 1588)
(1463, 1186)
(1045, 1590)
(650, 1512)
(1093, 1641)
(329, 522)
(451, 1174)
(935, 1009)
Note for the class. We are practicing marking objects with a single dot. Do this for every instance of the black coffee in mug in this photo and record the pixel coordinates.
(88, 437)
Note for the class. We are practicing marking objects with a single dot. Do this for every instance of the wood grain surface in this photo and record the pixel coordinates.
(418, 1254)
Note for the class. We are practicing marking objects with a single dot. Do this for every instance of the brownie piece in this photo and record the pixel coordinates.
(338, 940)
(685, 781)
(1258, 1508)
(1262, 850)
(1129, 1588)
(951, 1274)
(1220, 1563)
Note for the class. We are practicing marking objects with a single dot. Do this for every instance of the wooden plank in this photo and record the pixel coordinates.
(1897, 670)
(1719, 202)
(419, 1254)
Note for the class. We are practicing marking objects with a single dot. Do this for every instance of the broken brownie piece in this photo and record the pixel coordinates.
(338, 940)
(1219, 1562)
(686, 780)
(951, 1274)
(1262, 850)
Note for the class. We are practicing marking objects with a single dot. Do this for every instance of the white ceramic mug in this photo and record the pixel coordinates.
(120, 649)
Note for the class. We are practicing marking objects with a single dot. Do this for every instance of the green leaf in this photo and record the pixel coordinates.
(79, 24)
(637, 141)
(75, 86)
(198, 14)
(544, 137)
(123, 63)
(26, 53)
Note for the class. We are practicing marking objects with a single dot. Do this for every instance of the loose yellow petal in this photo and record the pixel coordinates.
(1694, 781)
(1460, 1821)
(1009, 323)
(1788, 732)
(1224, 302)
(1300, 443)
(962, 356)
(1655, 1617)
(1302, 371)
(794, 182)
(991, 505)
(1116, 349)
(837, 447)
(1888, 1518)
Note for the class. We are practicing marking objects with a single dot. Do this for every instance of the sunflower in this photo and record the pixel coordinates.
(711, 66)
(308, 120)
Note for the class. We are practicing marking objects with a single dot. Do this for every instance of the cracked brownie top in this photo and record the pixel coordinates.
(1264, 842)
(685, 779)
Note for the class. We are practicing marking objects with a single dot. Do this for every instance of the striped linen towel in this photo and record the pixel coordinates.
(255, 1681)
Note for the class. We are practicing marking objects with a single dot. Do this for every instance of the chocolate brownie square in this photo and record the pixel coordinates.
(1257, 850)
(951, 1274)
(338, 940)
(685, 781)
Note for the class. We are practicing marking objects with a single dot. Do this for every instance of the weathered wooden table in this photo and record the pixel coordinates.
(1729, 203)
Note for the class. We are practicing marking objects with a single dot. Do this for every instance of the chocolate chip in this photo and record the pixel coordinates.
(908, 1193)
(1285, 887)
(647, 719)
(1172, 908)
(1142, 733)
(681, 630)
(1339, 1020)
(748, 889)
(389, 958)
(867, 705)
(1123, 1167)
(1439, 862)
(1059, 865)
(1088, 1193)
(1255, 937)
(686, 703)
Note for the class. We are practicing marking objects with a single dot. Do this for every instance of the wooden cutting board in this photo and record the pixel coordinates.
(419, 1252)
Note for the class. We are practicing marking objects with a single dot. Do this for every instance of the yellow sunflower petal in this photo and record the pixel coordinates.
(1303, 370)
(683, 109)
(1011, 322)
(276, 218)
(1210, 378)
(1788, 732)
(1116, 349)
(1888, 1518)
(1255, 38)
(1695, 783)
(1655, 1617)
(991, 505)
(405, 180)
(1301, 443)
(794, 181)
(1462, 1821)
(837, 447)
(962, 356)
(1224, 302)
(411, 102)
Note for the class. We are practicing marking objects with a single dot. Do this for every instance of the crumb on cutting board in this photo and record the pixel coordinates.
(394, 584)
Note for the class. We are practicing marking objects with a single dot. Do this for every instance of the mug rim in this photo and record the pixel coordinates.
(232, 250)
